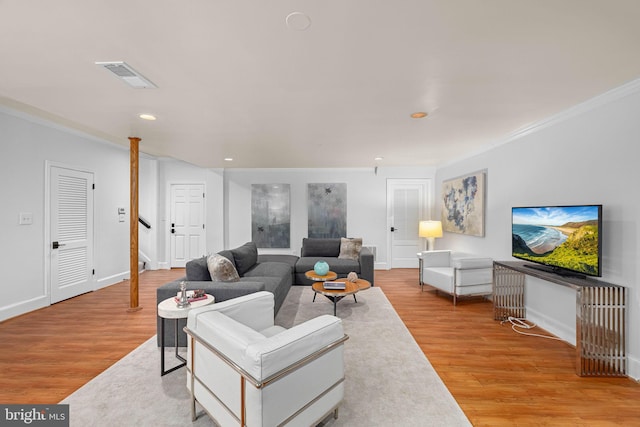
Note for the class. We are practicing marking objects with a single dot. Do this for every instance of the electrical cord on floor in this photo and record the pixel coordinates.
(517, 324)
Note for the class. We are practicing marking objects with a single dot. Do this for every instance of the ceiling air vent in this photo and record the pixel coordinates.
(127, 74)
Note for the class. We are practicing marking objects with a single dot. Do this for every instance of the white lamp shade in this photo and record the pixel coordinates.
(430, 229)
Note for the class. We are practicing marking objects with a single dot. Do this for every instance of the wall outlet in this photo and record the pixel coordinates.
(26, 218)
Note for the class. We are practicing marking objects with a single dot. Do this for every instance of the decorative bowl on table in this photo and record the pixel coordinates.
(321, 268)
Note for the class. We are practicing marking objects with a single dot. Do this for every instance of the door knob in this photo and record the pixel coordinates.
(56, 245)
(394, 229)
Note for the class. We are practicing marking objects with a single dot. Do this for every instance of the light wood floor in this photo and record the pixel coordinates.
(498, 378)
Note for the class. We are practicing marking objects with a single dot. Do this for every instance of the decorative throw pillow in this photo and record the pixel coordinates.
(221, 269)
(350, 248)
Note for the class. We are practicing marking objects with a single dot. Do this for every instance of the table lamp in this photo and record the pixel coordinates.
(430, 230)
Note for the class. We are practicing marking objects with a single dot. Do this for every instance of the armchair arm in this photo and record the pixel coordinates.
(471, 262)
(253, 310)
(366, 265)
(435, 258)
(293, 345)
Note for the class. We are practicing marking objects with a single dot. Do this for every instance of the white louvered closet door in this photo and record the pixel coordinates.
(71, 233)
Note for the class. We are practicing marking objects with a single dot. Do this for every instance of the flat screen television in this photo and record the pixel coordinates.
(561, 239)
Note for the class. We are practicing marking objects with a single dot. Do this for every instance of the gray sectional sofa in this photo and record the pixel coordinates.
(328, 250)
(273, 273)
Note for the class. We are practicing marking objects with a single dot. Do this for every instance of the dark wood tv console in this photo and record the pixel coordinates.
(600, 315)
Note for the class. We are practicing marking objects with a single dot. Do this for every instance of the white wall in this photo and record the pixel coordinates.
(26, 145)
(366, 202)
(148, 209)
(587, 155)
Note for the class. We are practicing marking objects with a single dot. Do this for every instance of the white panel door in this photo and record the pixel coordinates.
(407, 205)
(71, 229)
(187, 223)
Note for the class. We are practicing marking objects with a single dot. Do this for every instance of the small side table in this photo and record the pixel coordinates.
(312, 275)
(167, 309)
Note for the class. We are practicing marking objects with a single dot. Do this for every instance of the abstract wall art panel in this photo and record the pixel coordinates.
(327, 210)
(271, 215)
(463, 204)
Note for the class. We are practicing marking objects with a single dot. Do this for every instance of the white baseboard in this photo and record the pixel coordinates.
(565, 332)
(633, 368)
(164, 266)
(23, 307)
(111, 280)
(380, 266)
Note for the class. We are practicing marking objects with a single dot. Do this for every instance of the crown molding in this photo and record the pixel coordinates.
(578, 109)
(591, 104)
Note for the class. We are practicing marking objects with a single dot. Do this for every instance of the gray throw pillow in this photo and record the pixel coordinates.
(350, 248)
(221, 269)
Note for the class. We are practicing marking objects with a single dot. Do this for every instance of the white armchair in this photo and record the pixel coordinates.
(456, 273)
(245, 370)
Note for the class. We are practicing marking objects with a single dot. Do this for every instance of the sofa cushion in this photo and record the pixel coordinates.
(228, 255)
(317, 247)
(197, 270)
(269, 269)
(245, 257)
(277, 284)
(221, 269)
(350, 248)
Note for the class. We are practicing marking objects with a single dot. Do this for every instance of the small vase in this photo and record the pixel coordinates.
(321, 268)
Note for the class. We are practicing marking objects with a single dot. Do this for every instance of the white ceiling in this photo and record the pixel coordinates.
(234, 81)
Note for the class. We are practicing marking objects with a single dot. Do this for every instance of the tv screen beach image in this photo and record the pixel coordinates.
(566, 237)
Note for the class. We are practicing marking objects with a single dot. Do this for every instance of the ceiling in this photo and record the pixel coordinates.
(234, 80)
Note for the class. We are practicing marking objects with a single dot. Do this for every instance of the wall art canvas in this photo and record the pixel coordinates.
(271, 215)
(327, 210)
(463, 204)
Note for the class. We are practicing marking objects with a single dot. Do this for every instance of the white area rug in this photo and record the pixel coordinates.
(389, 381)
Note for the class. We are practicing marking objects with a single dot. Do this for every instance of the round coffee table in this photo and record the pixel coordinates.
(363, 284)
(168, 309)
(335, 295)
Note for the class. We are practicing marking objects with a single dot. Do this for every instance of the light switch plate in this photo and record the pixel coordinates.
(26, 218)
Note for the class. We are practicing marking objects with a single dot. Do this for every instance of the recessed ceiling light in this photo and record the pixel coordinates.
(228, 159)
(419, 115)
(147, 116)
(298, 21)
